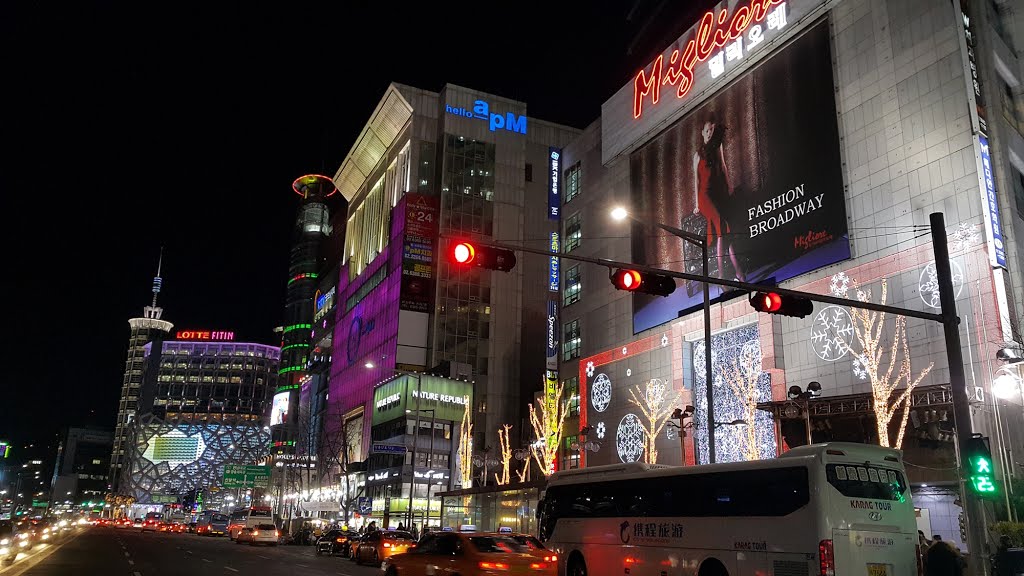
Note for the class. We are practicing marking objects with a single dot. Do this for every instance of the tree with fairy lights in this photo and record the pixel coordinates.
(657, 404)
(548, 420)
(506, 456)
(465, 452)
(868, 326)
(743, 377)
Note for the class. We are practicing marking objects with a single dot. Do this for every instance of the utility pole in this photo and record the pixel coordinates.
(973, 510)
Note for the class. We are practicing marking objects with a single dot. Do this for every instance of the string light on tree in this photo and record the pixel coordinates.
(868, 326)
(656, 403)
(547, 429)
(506, 456)
(465, 452)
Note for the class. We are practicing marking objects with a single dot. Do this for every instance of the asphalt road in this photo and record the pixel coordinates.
(128, 552)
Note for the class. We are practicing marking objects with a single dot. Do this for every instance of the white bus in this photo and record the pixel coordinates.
(247, 518)
(836, 509)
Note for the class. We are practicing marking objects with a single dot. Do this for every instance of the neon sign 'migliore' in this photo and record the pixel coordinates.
(712, 33)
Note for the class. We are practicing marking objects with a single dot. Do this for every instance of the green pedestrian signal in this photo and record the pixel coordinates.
(979, 461)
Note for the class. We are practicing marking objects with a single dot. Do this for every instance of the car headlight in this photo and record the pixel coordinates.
(5, 541)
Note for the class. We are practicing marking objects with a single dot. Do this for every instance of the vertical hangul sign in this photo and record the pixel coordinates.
(553, 264)
(421, 228)
(996, 247)
(968, 30)
(554, 171)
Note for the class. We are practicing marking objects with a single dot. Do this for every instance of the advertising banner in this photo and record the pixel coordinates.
(756, 171)
(421, 229)
(554, 263)
(279, 409)
(554, 182)
(993, 227)
(552, 343)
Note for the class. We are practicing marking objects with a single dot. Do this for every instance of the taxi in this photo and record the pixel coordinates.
(382, 544)
(468, 553)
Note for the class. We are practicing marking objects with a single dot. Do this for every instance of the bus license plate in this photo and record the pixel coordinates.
(878, 570)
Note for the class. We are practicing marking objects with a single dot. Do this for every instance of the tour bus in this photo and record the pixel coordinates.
(248, 517)
(212, 523)
(835, 509)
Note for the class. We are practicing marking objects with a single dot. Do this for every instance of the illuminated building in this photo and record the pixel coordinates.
(457, 162)
(312, 229)
(816, 138)
(83, 462)
(204, 405)
(148, 329)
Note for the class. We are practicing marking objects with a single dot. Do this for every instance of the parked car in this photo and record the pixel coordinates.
(259, 534)
(334, 542)
(467, 553)
(382, 544)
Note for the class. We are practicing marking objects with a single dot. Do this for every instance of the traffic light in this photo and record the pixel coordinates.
(979, 466)
(775, 303)
(963, 528)
(471, 254)
(634, 281)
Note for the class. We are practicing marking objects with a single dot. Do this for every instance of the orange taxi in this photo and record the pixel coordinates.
(467, 553)
(377, 546)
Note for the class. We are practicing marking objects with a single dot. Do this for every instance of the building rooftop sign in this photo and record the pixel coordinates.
(482, 111)
(221, 335)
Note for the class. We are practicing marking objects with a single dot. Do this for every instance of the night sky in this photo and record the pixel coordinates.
(131, 126)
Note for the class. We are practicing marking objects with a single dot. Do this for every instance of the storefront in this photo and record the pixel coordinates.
(492, 507)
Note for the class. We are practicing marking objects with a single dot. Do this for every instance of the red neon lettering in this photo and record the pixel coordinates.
(712, 34)
(642, 86)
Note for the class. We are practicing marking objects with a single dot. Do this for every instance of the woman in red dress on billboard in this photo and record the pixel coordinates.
(711, 190)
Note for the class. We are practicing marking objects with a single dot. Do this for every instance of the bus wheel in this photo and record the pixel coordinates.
(712, 567)
(576, 567)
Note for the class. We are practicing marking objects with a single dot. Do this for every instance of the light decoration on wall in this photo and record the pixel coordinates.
(590, 369)
(858, 369)
(928, 285)
(839, 285)
(965, 236)
(629, 438)
(465, 452)
(887, 400)
(731, 442)
(744, 377)
(601, 393)
(548, 424)
(656, 403)
(600, 430)
(832, 326)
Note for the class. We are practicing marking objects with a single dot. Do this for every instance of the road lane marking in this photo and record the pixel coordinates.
(302, 566)
(131, 563)
(205, 560)
(230, 568)
(136, 573)
(126, 554)
(264, 557)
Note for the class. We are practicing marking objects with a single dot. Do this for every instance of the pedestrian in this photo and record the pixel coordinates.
(372, 527)
(942, 559)
(401, 526)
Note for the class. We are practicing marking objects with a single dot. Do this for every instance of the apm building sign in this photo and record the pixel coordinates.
(482, 111)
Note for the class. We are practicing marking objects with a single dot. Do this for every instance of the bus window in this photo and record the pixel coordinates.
(866, 482)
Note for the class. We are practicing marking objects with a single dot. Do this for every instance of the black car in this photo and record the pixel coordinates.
(334, 542)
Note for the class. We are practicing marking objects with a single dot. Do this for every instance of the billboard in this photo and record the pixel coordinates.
(756, 171)
(421, 229)
(279, 409)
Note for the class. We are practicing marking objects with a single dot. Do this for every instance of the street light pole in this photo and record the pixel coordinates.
(701, 242)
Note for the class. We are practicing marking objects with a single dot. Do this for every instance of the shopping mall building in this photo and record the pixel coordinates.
(808, 141)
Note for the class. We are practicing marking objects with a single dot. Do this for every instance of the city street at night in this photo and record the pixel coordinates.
(117, 551)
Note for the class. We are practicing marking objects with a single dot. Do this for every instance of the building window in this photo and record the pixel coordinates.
(1018, 192)
(571, 458)
(571, 340)
(573, 285)
(572, 182)
(572, 395)
(573, 232)
(529, 172)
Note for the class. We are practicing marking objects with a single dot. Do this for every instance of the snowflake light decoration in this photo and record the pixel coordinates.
(965, 236)
(840, 285)
(590, 369)
(629, 438)
(629, 372)
(928, 285)
(624, 350)
(601, 392)
(670, 433)
(664, 340)
(600, 430)
(858, 369)
(656, 390)
(831, 333)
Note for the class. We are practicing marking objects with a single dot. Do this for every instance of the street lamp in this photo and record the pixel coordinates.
(681, 414)
(582, 444)
(621, 213)
(799, 394)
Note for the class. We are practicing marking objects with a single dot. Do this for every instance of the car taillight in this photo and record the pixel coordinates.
(493, 566)
(538, 566)
(552, 558)
(255, 532)
(826, 559)
(387, 545)
(277, 533)
(339, 540)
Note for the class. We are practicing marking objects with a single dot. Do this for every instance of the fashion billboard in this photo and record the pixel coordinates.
(756, 171)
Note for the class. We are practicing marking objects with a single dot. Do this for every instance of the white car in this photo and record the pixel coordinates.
(259, 534)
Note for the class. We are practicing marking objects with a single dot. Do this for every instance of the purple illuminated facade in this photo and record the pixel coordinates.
(366, 327)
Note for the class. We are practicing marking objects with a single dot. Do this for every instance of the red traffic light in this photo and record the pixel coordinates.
(627, 280)
(470, 254)
(775, 303)
(463, 252)
(634, 281)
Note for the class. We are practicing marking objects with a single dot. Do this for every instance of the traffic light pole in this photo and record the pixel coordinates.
(973, 509)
